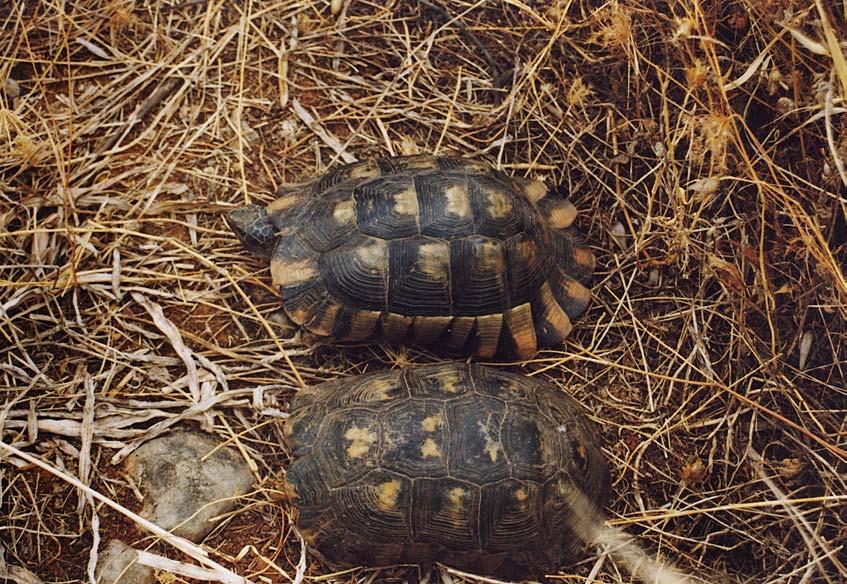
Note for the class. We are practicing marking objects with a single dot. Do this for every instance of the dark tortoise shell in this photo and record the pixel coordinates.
(470, 466)
(425, 249)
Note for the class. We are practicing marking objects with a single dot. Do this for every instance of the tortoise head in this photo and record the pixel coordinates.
(254, 228)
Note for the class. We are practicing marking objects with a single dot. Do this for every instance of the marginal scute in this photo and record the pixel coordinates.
(368, 390)
(301, 302)
(394, 327)
(427, 329)
(305, 481)
(293, 272)
(458, 332)
(405, 164)
(337, 175)
(521, 329)
(327, 318)
(560, 213)
(360, 325)
(363, 170)
(439, 382)
(572, 296)
(254, 228)
(584, 258)
(552, 323)
(488, 335)
(560, 497)
(301, 427)
(535, 190)
(574, 258)
(290, 491)
(457, 163)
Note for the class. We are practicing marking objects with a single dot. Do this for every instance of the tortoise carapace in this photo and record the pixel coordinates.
(467, 465)
(425, 249)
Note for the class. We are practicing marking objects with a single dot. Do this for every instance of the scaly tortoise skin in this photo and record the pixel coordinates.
(425, 249)
(463, 464)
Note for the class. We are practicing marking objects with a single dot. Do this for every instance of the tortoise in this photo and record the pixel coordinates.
(424, 249)
(459, 463)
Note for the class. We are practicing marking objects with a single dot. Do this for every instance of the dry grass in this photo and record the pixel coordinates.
(702, 142)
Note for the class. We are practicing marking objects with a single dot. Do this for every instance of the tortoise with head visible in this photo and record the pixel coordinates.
(424, 249)
(477, 468)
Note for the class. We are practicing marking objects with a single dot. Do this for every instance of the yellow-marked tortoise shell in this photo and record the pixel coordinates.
(425, 249)
(461, 464)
